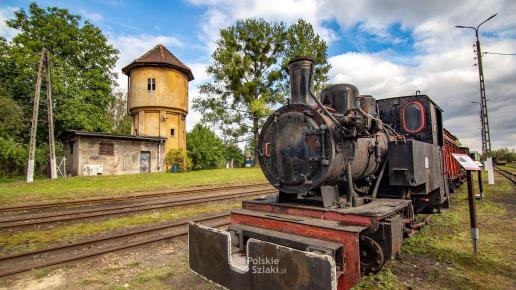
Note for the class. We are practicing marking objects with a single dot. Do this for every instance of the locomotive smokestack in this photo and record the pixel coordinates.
(300, 80)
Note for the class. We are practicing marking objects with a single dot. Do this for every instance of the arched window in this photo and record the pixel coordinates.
(413, 117)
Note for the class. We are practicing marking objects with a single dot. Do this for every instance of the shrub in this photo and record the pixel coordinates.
(179, 158)
(205, 148)
(12, 157)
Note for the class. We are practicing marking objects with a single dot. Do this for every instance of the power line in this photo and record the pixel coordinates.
(498, 53)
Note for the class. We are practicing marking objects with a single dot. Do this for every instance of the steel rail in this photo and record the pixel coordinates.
(106, 250)
(123, 197)
(27, 217)
(507, 174)
(126, 210)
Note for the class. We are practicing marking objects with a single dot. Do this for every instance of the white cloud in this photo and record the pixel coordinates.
(92, 16)
(7, 13)
(201, 76)
(199, 72)
(221, 13)
(369, 72)
(193, 116)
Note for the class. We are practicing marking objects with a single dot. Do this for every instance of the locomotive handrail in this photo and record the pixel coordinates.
(317, 100)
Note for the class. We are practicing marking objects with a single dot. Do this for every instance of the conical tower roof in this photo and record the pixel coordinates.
(159, 56)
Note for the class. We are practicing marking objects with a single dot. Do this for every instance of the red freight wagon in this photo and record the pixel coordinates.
(452, 168)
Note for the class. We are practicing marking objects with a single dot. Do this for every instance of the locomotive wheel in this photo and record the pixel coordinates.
(371, 255)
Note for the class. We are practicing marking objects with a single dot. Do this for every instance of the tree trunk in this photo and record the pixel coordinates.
(256, 137)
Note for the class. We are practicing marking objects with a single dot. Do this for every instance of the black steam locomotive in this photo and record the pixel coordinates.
(342, 143)
(351, 172)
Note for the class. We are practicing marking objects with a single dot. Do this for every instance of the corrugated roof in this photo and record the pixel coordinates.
(111, 136)
(159, 56)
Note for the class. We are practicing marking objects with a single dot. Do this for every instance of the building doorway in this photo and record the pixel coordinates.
(145, 162)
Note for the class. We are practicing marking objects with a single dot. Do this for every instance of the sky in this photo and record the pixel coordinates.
(386, 48)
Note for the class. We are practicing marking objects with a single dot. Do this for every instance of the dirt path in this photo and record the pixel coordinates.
(158, 266)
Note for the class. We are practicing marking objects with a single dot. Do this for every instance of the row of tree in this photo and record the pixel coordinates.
(82, 76)
(205, 150)
(504, 155)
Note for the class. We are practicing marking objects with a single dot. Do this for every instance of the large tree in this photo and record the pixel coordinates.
(206, 150)
(11, 117)
(246, 78)
(82, 68)
(120, 118)
(301, 40)
(249, 74)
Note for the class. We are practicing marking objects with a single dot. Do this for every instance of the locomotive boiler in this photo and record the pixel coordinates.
(351, 173)
(323, 148)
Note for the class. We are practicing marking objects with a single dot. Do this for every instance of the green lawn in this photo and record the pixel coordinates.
(45, 190)
(511, 167)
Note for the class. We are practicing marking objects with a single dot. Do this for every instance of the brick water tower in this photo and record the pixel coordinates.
(158, 96)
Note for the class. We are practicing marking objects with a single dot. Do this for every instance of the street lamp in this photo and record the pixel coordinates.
(486, 138)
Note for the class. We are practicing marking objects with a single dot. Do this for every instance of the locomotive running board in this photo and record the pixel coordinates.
(268, 265)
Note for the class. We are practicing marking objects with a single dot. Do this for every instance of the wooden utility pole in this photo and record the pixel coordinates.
(43, 61)
(50, 109)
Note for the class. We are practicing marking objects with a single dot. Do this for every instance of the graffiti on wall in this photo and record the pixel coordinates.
(94, 157)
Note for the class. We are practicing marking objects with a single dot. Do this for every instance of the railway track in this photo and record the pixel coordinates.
(12, 222)
(26, 261)
(92, 201)
(507, 174)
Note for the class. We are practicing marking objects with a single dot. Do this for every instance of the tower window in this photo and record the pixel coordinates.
(151, 84)
(172, 132)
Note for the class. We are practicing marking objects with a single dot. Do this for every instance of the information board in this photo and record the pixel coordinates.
(465, 161)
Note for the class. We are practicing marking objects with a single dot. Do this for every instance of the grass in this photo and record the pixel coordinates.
(511, 167)
(31, 240)
(440, 256)
(15, 191)
(40, 273)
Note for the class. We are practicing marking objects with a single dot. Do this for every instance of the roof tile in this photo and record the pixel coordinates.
(159, 56)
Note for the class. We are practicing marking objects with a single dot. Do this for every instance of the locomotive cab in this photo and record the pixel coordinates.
(416, 165)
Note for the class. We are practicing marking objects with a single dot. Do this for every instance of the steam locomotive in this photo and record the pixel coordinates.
(352, 172)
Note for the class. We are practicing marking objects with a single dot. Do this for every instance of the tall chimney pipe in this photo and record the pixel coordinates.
(301, 81)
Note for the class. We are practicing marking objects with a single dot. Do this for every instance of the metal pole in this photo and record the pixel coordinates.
(472, 213)
(486, 135)
(64, 166)
(34, 122)
(480, 185)
(50, 108)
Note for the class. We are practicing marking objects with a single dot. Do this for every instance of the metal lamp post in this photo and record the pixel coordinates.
(486, 138)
